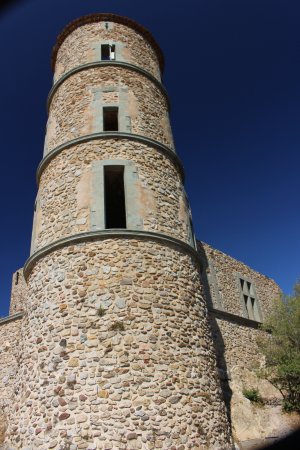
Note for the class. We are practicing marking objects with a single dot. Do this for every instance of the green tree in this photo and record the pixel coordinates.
(281, 348)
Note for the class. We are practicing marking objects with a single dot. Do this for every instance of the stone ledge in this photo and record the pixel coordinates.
(234, 318)
(104, 64)
(166, 151)
(109, 234)
(10, 318)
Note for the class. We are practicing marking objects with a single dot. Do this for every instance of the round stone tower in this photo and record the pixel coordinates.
(117, 351)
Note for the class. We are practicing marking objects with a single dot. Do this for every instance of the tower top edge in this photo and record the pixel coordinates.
(101, 17)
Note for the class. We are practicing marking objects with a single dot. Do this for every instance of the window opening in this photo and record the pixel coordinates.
(249, 307)
(192, 233)
(17, 278)
(250, 300)
(108, 52)
(110, 119)
(114, 197)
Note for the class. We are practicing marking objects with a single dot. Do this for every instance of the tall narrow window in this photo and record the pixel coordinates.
(110, 118)
(108, 52)
(114, 197)
(192, 233)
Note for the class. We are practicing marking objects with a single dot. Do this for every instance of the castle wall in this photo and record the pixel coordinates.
(10, 343)
(223, 273)
(235, 339)
(239, 361)
(18, 292)
(117, 349)
(124, 340)
(125, 357)
(76, 107)
(82, 46)
(237, 344)
(69, 195)
(10, 329)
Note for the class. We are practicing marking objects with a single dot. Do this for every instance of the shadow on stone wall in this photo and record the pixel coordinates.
(288, 442)
(3, 426)
(218, 341)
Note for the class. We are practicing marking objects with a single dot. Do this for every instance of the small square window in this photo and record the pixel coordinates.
(108, 52)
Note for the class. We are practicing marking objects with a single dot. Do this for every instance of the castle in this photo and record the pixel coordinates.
(124, 332)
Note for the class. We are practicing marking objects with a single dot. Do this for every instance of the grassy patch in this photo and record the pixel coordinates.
(253, 395)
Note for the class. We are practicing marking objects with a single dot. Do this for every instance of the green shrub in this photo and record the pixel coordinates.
(288, 406)
(253, 395)
(281, 348)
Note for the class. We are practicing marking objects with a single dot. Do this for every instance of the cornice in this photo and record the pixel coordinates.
(244, 321)
(95, 64)
(100, 235)
(11, 317)
(166, 151)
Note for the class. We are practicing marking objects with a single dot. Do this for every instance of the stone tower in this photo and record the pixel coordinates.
(117, 351)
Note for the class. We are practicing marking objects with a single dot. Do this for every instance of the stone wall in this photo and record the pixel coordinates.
(235, 341)
(117, 352)
(67, 195)
(76, 106)
(10, 329)
(238, 342)
(82, 305)
(82, 46)
(18, 292)
(223, 272)
(116, 348)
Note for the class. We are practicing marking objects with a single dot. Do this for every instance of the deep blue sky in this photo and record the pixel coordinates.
(233, 76)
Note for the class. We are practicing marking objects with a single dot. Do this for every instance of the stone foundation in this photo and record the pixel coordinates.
(117, 353)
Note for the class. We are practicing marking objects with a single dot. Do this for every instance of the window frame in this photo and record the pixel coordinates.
(133, 207)
(247, 289)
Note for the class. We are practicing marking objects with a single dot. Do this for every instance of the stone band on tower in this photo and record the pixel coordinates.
(117, 350)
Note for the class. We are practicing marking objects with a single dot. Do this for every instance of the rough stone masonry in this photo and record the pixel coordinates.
(131, 336)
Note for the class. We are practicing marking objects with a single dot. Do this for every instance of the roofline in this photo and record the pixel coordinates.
(238, 260)
(100, 17)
